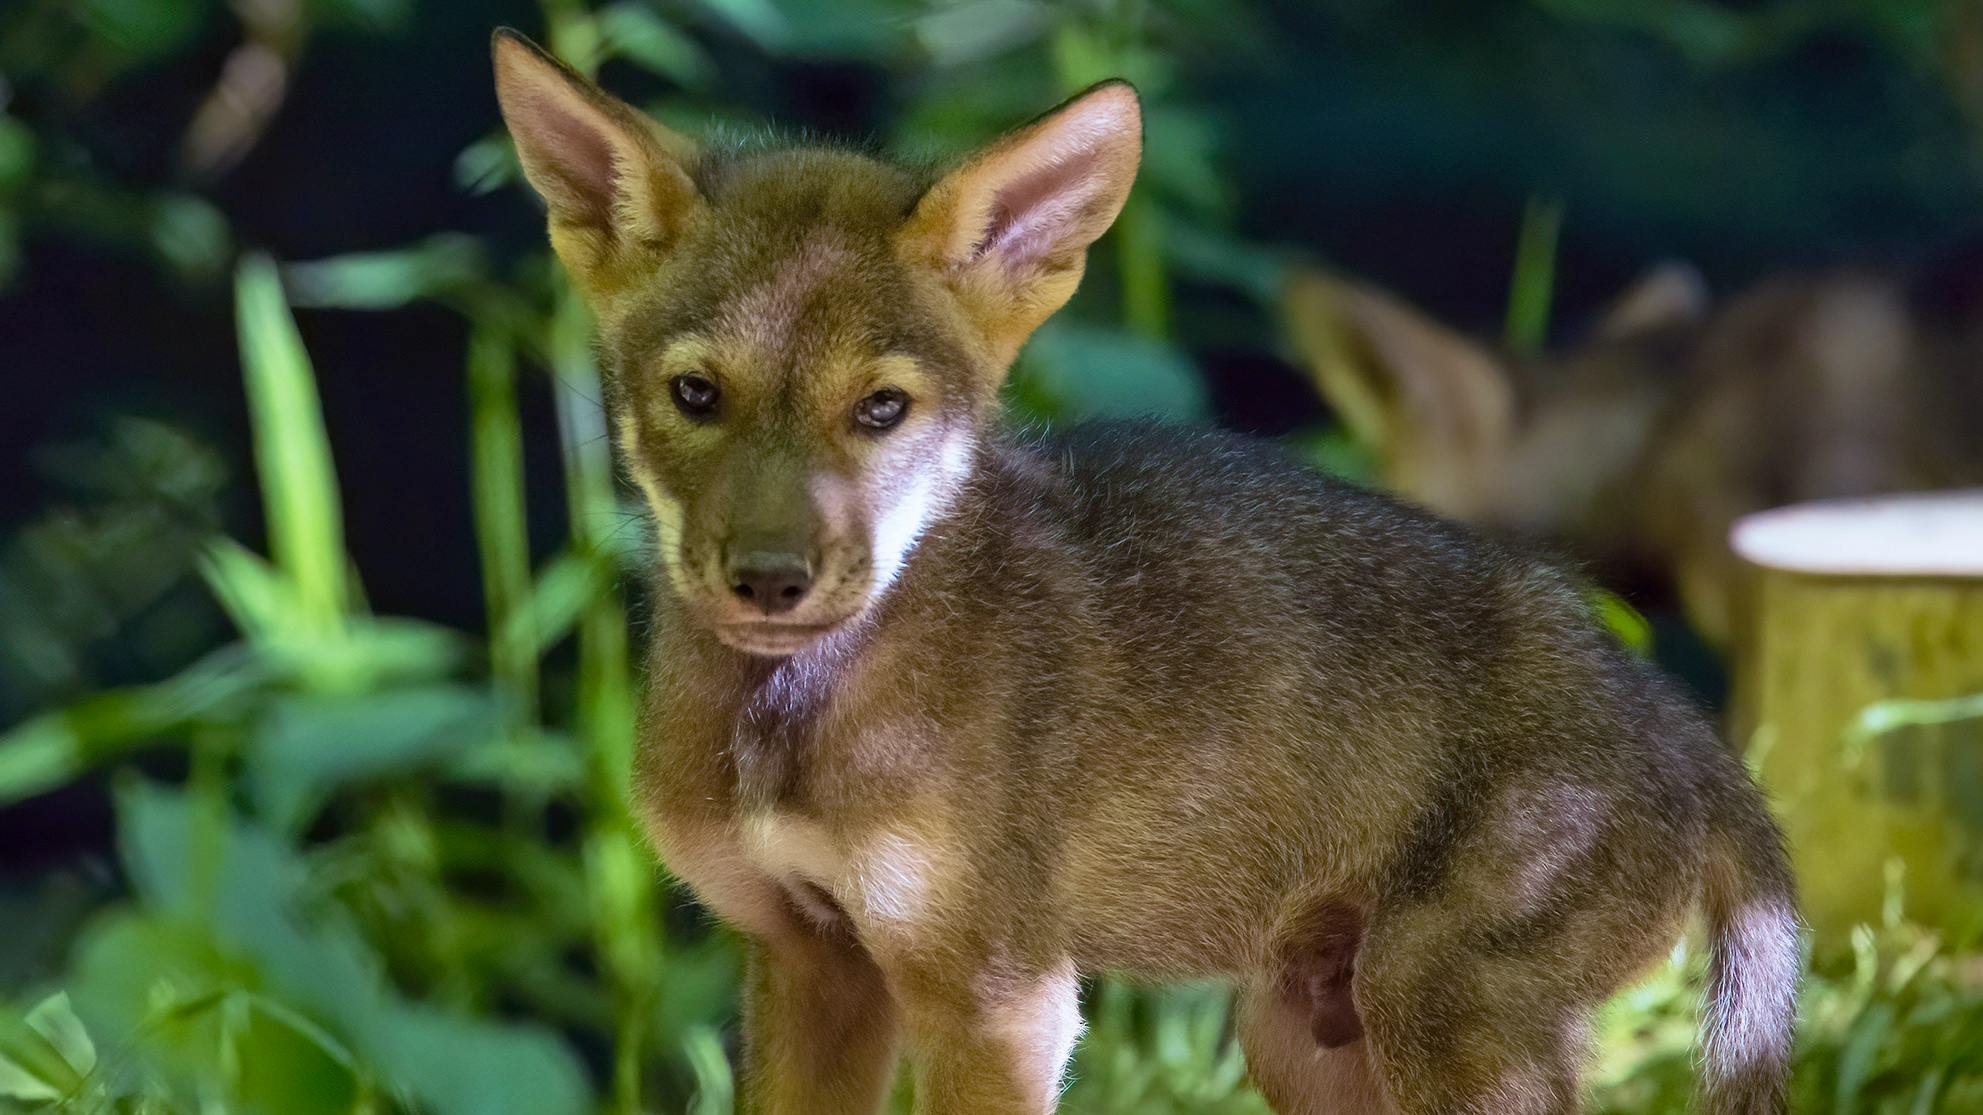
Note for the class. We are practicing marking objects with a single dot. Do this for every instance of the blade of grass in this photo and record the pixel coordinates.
(1532, 287)
(621, 878)
(292, 451)
(501, 533)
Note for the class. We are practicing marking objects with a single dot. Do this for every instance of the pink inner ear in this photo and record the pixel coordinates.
(1039, 211)
(572, 145)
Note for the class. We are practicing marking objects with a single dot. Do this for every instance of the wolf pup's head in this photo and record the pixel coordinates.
(1528, 445)
(802, 343)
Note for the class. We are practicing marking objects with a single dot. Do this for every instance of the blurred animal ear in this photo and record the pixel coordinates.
(613, 180)
(1009, 229)
(1670, 295)
(1416, 392)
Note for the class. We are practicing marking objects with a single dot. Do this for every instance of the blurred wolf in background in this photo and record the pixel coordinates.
(1640, 446)
(944, 717)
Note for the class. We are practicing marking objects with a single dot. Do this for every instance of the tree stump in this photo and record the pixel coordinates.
(1861, 686)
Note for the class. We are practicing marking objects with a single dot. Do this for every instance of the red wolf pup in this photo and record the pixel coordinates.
(943, 717)
(1642, 445)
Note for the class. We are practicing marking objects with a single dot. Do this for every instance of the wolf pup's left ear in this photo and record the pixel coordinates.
(613, 179)
(1009, 229)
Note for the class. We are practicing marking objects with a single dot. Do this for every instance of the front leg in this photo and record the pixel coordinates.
(820, 1027)
(992, 1043)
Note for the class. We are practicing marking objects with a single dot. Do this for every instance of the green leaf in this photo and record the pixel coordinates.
(189, 234)
(292, 451)
(144, 28)
(307, 953)
(20, 1083)
(459, 1066)
(1091, 372)
(187, 1016)
(45, 1055)
(564, 589)
(256, 596)
(54, 1019)
(53, 748)
(1532, 288)
(639, 34)
(309, 747)
(1622, 620)
(760, 20)
(715, 1084)
(436, 267)
(1335, 452)
(17, 153)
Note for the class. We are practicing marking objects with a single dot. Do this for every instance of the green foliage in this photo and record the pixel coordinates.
(371, 864)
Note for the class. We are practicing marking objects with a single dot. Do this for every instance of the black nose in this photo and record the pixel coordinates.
(772, 582)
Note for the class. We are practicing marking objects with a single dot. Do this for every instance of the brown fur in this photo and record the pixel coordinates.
(1642, 445)
(1122, 699)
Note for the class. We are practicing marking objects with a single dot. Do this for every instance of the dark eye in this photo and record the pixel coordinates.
(882, 409)
(694, 395)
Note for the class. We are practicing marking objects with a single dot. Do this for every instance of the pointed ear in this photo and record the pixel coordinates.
(1405, 385)
(1671, 295)
(613, 180)
(1009, 229)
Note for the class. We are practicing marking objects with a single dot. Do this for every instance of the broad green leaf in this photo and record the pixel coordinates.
(256, 896)
(532, 764)
(459, 1066)
(176, 1009)
(1099, 373)
(307, 748)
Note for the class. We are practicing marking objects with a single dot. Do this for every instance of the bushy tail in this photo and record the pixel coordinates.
(1753, 964)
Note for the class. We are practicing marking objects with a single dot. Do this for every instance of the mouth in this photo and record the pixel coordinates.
(771, 638)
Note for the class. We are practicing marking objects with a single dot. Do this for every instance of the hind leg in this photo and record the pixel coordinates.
(1455, 1030)
(1479, 974)
(1298, 1020)
(1297, 1074)
(1468, 1010)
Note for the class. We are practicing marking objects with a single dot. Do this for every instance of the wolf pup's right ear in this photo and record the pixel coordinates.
(1008, 231)
(613, 179)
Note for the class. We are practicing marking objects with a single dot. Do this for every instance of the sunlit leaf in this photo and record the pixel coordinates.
(54, 1019)
(292, 451)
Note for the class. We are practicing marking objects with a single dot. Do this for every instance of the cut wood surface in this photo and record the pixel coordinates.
(1859, 691)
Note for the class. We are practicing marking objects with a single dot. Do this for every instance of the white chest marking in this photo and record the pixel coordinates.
(886, 879)
(789, 847)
